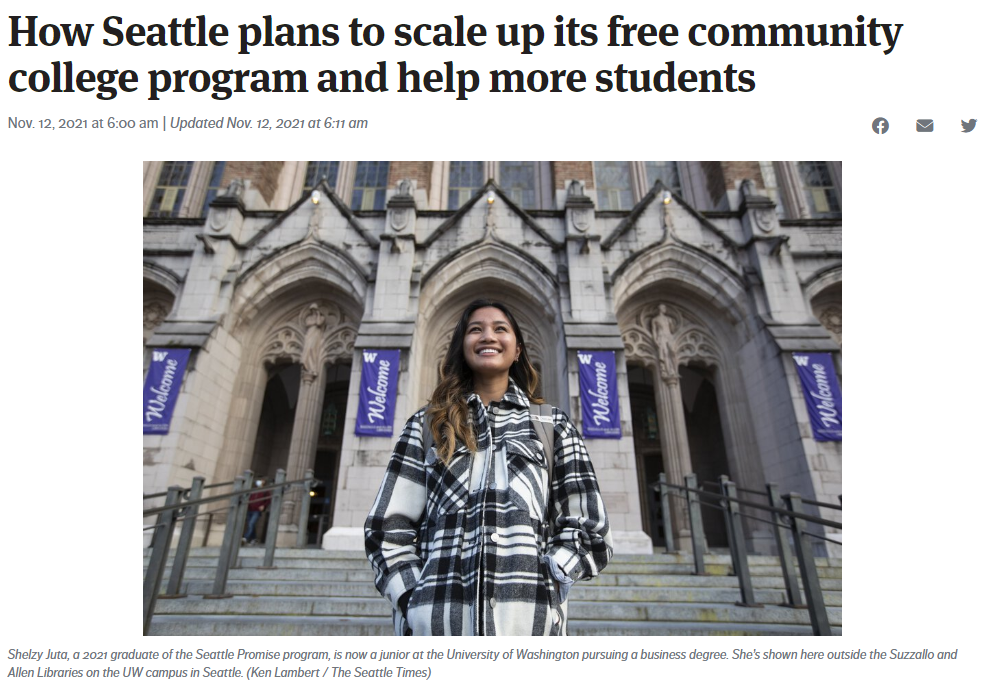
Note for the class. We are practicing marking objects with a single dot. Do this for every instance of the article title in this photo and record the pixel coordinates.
(67, 75)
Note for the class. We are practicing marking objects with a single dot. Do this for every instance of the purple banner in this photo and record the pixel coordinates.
(165, 376)
(377, 395)
(598, 387)
(822, 394)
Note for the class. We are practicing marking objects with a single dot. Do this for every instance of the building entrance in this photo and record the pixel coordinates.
(275, 425)
(330, 434)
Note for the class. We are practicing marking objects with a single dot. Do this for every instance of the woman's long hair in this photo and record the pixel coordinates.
(448, 408)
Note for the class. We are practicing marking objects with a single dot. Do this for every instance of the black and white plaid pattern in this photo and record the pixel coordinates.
(430, 533)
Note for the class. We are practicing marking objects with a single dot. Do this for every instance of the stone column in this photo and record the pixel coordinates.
(303, 444)
(675, 439)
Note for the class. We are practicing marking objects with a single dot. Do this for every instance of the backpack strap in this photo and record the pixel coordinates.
(544, 423)
(428, 434)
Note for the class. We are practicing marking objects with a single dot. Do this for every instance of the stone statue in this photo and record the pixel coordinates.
(234, 189)
(662, 327)
(313, 339)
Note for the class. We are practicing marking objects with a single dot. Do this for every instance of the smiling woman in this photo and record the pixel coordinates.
(490, 508)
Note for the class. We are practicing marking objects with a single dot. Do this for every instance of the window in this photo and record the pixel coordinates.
(771, 186)
(464, 179)
(170, 190)
(519, 181)
(213, 188)
(321, 170)
(369, 192)
(613, 187)
(527, 184)
(666, 172)
(818, 187)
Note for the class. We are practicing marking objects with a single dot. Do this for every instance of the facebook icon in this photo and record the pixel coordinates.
(880, 126)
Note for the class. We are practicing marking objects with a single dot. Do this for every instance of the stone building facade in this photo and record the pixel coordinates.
(703, 277)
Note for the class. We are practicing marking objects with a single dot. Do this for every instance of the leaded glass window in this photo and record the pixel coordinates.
(818, 186)
(666, 172)
(464, 179)
(613, 185)
(519, 181)
(322, 170)
(213, 188)
(369, 192)
(170, 190)
(771, 186)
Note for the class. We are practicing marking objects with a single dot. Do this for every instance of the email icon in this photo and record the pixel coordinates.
(924, 125)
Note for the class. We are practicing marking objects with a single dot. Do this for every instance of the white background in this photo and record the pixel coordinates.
(917, 243)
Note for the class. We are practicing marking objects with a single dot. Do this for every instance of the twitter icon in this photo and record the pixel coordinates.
(968, 126)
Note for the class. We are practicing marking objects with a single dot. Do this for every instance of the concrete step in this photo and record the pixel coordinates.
(209, 625)
(580, 610)
(607, 579)
(759, 566)
(676, 628)
(333, 626)
(314, 592)
(364, 589)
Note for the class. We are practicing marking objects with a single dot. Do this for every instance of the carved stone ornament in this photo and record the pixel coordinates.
(830, 317)
(235, 189)
(399, 218)
(218, 218)
(764, 218)
(668, 337)
(313, 226)
(576, 189)
(668, 224)
(313, 319)
(696, 346)
(155, 313)
(404, 188)
(581, 218)
(490, 233)
(284, 345)
(311, 335)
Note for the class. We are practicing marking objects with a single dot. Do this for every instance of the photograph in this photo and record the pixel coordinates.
(492, 398)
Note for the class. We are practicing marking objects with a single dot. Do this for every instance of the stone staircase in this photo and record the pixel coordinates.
(314, 592)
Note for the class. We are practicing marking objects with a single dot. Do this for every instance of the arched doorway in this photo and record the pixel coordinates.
(647, 449)
(706, 445)
(677, 381)
(704, 433)
(327, 461)
(275, 424)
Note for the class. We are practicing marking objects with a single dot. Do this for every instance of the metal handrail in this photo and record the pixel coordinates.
(806, 501)
(790, 517)
(188, 511)
(226, 496)
(767, 508)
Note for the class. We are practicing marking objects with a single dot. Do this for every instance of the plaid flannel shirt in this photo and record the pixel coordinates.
(430, 533)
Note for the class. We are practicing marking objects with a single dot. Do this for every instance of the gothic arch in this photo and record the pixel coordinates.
(159, 292)
(822, 280)
(272, 329)
(671, 322)
(689, 340)
(497, 272)
(310, 263)
(695, 273)
(164, 277)
(824, 293)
